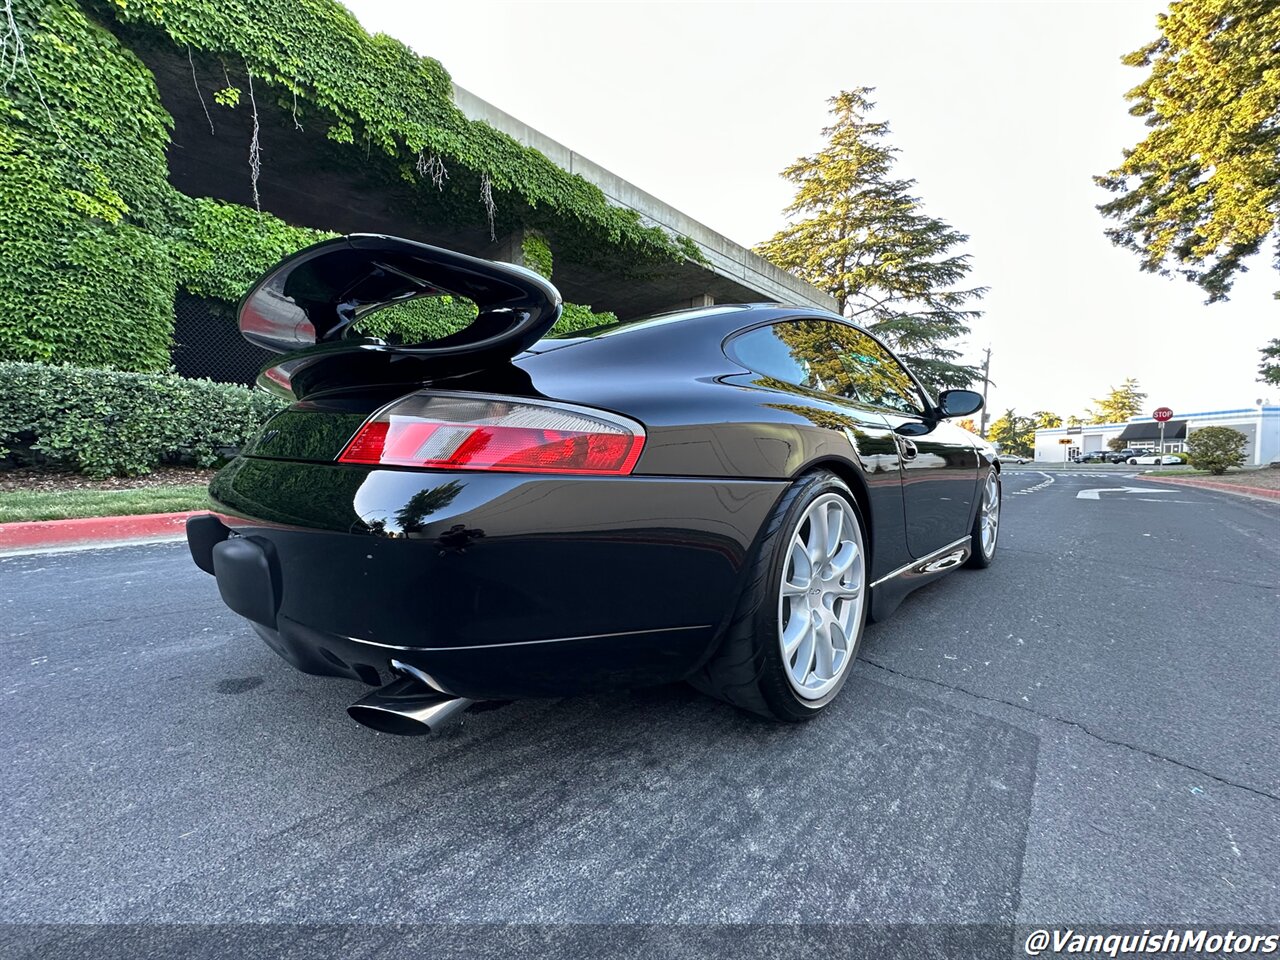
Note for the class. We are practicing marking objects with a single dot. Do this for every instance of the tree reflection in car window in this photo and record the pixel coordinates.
(833, 358)
(874, 375)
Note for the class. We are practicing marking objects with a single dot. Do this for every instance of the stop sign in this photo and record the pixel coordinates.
(1162, 414)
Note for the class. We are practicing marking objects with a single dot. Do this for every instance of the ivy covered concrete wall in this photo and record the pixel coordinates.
(97, 241)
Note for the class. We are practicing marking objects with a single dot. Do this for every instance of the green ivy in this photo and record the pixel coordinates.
(373, 90)
(417, 321)
(430, 318)
(97, 241)
(537, 254)
(576, 317)
(220, 249)
(85, 271)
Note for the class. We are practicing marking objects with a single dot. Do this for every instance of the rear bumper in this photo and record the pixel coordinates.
(494, 585)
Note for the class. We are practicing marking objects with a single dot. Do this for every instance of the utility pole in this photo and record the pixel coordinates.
(986, 370)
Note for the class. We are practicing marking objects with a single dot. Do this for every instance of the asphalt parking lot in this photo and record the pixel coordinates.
(1085, 733)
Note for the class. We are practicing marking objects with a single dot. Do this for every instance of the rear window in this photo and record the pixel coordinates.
(766, 352)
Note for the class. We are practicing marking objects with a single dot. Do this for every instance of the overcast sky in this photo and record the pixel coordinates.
(1002, 111)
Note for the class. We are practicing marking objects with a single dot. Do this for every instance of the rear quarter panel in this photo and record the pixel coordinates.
(705, 416)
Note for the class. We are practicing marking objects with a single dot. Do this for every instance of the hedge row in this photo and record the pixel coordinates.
(105, 422)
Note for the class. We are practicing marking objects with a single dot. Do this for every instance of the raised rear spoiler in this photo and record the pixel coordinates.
(307, 305)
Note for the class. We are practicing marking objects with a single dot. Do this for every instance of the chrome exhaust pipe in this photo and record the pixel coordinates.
(407, 708)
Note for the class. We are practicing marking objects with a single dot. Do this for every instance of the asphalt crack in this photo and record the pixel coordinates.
(80, 624)
(1083, 728)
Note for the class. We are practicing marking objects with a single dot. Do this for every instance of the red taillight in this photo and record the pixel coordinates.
(460, 432)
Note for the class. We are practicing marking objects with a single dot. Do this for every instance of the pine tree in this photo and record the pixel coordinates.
(1269, 368)
(1122, 403)
(860, 234)
(1197, 195)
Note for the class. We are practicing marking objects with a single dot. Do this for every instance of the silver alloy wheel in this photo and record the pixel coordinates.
(990, 515)
(820, 601)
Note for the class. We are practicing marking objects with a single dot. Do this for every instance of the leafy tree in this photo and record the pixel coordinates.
(1269, 368)
(1013, 434)
(861, 234)
(1115, 444)
(1216, 448)
(1198, 195)
(1075, 421)
(1045, 420)
(1122, 403)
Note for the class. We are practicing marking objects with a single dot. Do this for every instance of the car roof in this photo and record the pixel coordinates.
(716, 321)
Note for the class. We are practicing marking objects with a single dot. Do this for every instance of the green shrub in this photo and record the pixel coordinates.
(105, 422)
(1216, 448)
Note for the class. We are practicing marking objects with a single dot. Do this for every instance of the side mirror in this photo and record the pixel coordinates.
(959, 403)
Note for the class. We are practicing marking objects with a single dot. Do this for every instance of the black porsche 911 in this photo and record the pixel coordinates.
(720, 495)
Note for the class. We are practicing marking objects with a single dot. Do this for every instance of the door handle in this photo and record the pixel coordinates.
(909, 449)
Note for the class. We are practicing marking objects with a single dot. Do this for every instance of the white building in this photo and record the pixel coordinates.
(1260, 424)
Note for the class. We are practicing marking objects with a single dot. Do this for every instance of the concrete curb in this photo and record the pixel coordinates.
(35, 534)
(1236, 488)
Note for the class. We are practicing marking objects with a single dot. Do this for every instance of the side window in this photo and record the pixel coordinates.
(873, 375)
(831, 357)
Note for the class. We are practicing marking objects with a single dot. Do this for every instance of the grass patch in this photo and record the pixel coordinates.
(68, 504)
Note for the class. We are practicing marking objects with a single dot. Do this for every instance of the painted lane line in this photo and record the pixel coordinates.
(1094, 493)
(1039, 486)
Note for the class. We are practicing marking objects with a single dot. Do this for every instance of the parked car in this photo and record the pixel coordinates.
(721, 495)
(1092, 456)
(1013, 458)
(1154, 458)
(1127, 454)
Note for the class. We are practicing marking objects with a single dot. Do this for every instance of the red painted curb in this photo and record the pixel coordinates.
(1215, 485)
(51, 533)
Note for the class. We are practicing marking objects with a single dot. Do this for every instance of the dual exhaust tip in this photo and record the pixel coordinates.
(407, 707)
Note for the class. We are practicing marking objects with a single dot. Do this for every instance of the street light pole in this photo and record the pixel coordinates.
(986, 369)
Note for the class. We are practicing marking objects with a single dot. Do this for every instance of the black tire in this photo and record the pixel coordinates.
(978, 558)
(747, 668)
